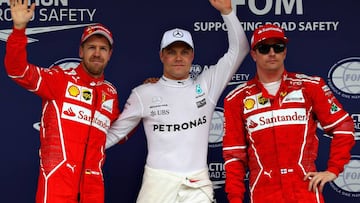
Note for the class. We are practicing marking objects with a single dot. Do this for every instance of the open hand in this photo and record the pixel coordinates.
(224, 6)
(20, 13)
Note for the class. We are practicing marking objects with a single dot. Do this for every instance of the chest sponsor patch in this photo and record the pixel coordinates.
(294, 96)
(280, 117)
(79, 93)
(255, 102)
(108, 105)
(83, 115)
(201, 103)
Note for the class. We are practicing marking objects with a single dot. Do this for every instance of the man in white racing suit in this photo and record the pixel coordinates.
(176, 113)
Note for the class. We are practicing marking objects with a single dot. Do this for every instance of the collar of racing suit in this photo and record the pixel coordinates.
(175, 83)
(283, 87)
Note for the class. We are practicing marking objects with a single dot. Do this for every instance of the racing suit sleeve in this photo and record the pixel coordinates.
(33, 78)
(127, 122)
(217, 76)
(337, 123)
(234, 151)
(16, 55)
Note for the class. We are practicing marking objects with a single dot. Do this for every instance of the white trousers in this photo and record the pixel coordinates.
(161, 186)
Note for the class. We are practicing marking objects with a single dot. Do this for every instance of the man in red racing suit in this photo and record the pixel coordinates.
(273, 133)
(77, 110)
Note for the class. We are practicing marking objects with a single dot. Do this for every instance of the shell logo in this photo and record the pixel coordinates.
(74, 91)
(249, 104)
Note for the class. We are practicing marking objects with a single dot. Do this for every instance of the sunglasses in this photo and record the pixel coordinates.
(265, 48)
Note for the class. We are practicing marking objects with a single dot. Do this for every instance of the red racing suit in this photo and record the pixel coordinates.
(274, 137)
(77, 111)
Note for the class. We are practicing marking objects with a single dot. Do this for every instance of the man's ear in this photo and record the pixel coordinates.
(253, 55)
(161, 55)
(81, 53)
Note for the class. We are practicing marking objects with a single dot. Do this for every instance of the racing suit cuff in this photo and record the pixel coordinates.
(229, 14)
(334, 170)
(235, 198)
(19, 32)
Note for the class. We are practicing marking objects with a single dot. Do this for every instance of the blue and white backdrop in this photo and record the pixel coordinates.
(324, 41)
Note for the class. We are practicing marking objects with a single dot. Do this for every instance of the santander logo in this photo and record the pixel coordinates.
(69, 112)
(279, 117)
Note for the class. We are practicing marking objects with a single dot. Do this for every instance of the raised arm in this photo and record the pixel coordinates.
(16, 64)
(221, 73)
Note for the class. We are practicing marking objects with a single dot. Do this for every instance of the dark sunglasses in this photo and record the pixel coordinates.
(265, 48)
